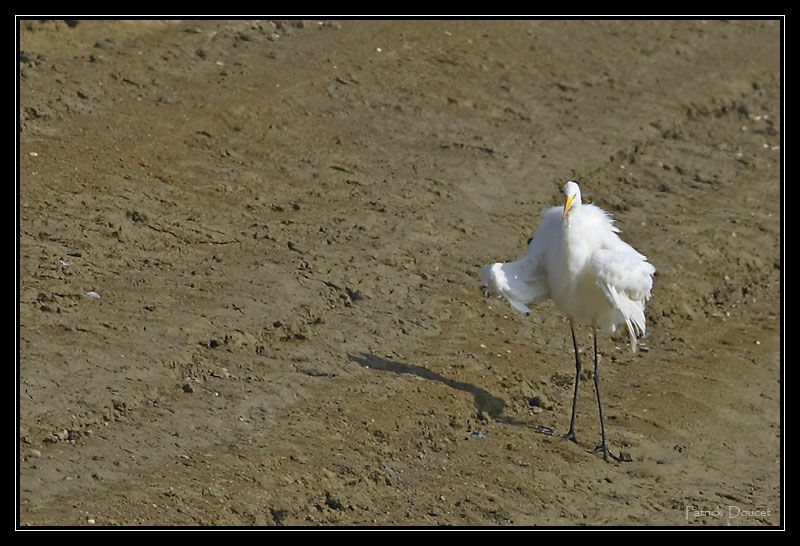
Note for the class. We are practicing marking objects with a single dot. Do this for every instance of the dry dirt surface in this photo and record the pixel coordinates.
(249, 257)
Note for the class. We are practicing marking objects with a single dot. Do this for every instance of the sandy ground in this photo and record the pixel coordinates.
(285, 222)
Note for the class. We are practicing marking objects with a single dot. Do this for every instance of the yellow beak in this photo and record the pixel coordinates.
(567, 205)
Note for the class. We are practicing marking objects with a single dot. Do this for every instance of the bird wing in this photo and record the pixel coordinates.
(520, 282)
(626, 280)
(523, 282)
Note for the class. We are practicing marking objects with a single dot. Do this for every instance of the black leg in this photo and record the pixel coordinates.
(570, 435)
(604, 445)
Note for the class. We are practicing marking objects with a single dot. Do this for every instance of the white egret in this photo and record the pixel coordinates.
(577, 259)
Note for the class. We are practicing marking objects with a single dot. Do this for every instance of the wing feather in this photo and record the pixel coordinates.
(524, 282)
(626, 280)
(519, 282)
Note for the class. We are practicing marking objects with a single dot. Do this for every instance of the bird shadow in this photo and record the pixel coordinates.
(484, 401)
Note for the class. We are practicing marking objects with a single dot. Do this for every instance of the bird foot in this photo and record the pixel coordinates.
(623, 456)
(570, 436)
(606, 452)
(541, 429)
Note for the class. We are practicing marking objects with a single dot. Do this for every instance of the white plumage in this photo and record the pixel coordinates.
(577, 259)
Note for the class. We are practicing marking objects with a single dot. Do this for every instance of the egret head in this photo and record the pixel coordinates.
(573, 193)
